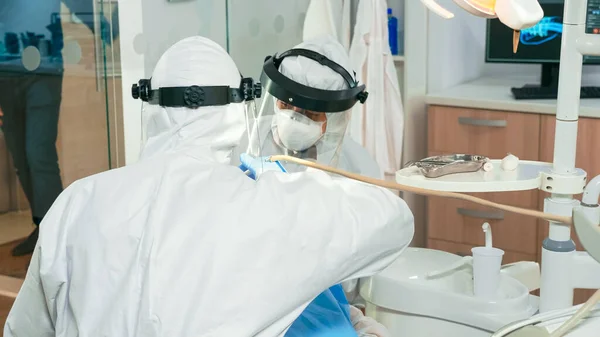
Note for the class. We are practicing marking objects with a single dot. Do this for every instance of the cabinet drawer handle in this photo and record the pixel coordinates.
(494, 123)
(472, 213)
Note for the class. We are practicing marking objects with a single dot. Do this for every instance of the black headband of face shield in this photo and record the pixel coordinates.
(304, 97)
(195, 96)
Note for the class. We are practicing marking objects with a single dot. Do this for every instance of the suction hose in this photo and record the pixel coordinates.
(578, 316)
(427, 192)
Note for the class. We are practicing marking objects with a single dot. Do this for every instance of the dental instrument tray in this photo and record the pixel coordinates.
(438, 166)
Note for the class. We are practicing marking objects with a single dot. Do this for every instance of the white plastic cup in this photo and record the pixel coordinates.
(486, 271)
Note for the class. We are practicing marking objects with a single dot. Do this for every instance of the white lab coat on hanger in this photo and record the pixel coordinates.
(377, 125)
(328, 17)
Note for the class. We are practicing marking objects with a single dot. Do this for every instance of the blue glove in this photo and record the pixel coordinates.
(328, 315)
(258, 166)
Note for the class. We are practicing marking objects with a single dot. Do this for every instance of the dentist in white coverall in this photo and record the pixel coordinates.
(350, 156)
(184, 244)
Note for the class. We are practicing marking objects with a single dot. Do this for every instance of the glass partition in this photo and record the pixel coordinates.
(60, 102)
(256, 29)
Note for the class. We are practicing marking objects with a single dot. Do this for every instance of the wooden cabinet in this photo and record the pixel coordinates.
(455, 226)
(488, 133)
(460, 221)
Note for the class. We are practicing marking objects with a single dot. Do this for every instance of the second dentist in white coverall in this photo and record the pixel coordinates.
(276, 134)
(184, 244)
(309, 92)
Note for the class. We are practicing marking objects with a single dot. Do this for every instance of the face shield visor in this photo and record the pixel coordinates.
(155, 120)
(302, 121)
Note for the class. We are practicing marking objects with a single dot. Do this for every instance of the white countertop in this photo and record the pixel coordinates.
(495, 94)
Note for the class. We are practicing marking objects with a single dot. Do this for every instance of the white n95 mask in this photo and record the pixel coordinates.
(297, 132)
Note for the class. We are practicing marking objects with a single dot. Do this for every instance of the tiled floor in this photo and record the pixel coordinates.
(5, 305)
(14, 226)
(14, 267)
(10, 265)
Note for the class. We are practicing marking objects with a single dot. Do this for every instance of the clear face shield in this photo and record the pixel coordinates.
(154, 118)
(301, 121)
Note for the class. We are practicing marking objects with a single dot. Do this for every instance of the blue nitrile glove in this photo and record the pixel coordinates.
(258, 166)
(328, 315)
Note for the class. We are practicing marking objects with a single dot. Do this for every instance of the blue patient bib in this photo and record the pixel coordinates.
(327, 315)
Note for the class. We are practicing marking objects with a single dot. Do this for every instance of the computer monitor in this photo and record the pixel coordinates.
(539, 44)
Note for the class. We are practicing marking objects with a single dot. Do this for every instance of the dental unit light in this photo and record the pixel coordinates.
(516, 14)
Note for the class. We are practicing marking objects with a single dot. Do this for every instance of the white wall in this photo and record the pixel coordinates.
(455, 54)
(415, 110)
(148, 29)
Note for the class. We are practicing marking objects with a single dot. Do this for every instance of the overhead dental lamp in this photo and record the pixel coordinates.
(516, 14)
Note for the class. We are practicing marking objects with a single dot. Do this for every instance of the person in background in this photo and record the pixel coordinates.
(183, 243)
(31, 76)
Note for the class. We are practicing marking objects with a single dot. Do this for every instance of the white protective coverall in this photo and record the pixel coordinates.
(352, 156)
(184, 244)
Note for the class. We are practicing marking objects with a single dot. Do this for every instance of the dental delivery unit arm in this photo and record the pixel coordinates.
(558, 251)
(516, 14)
